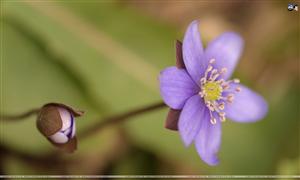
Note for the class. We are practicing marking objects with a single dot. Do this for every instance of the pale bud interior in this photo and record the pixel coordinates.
(68, 127)
(59, 138)
(65, 117)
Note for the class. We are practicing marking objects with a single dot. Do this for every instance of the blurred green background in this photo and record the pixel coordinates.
(104, 57)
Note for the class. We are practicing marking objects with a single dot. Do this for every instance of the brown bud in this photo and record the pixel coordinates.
(56, 122)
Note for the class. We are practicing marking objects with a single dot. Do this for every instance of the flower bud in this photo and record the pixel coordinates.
(57, 122)
(67, 130)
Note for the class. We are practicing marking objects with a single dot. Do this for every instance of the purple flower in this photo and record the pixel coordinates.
(201, 96)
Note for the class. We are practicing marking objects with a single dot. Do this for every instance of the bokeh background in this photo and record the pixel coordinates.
(104, 57)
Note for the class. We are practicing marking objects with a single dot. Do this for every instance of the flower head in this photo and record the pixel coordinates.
(201, 95)
(57, 122)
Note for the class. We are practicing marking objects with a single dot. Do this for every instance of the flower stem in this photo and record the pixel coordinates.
(102, 122)
(55, 157)
(19, 116)
(119, 118)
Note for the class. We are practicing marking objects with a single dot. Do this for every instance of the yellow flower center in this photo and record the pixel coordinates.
(212, 86)
(213, 91)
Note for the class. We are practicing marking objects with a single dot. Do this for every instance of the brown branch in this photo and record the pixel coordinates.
(119, 118)
(54, 158)
(19, 116)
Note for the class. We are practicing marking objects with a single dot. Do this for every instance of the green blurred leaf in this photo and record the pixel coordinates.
(31, 79)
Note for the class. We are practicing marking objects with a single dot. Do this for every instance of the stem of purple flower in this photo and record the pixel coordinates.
(120, 118)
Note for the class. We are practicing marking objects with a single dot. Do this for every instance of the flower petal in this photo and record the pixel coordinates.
(176, 87)
(208, 141)
(193, 52)
(173, 115)
(59, 138)
(65, 116)
(226, 50)
(191, 118)
(247, 106)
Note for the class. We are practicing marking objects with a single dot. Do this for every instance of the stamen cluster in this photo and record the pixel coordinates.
(216, 92)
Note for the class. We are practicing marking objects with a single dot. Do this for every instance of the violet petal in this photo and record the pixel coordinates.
(226, 49)
(247, 106)
(191, 119)
(176, 87)
(208, 140)
(193, 52)
(173, 114)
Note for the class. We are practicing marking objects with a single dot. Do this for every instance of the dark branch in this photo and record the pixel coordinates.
(19, 116)
(54, 158)
(119, 118)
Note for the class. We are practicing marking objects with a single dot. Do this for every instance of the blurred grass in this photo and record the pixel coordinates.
(104, 58)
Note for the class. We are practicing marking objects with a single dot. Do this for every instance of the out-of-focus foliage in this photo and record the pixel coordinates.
(105, 57)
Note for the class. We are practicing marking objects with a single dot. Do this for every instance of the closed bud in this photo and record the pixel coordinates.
(57, 123)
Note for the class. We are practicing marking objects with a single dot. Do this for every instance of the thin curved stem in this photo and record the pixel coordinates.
(102, 122)
(54, 157)
(19, 116)
(119, 118)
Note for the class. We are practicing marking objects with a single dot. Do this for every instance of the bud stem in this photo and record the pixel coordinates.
(102, 122)
(19, 116)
